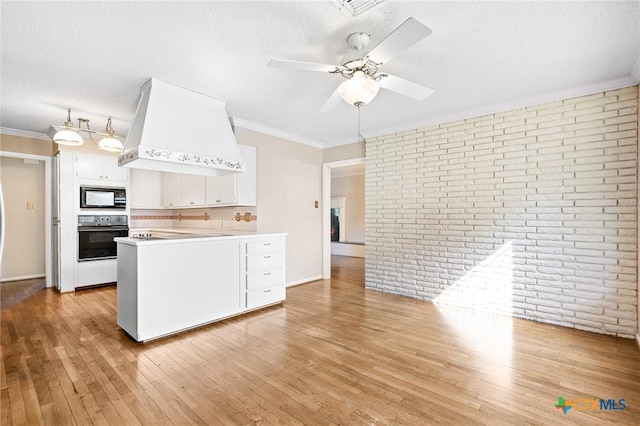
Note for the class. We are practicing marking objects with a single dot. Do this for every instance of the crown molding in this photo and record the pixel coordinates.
(632, 80)
(559, 95)
(250, 125)
(24, 134)
(340, 142)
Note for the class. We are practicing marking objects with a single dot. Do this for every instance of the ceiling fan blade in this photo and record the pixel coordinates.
(406, 35)
(297, 65)
(331, 103)
(405, 87)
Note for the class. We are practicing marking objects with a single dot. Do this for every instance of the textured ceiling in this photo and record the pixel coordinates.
(481, 57)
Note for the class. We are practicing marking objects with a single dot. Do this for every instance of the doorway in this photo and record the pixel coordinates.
(327, 170)
(27, 221)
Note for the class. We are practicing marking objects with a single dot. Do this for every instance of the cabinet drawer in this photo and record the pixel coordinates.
(262, 246)
(265, 279)
(265, 297)
(264, 261)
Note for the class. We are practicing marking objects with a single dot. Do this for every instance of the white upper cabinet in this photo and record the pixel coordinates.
(155, 189)
(235, 189)
(221, 190)
(100, 167)
(193, 191)
(171, 190)
(145, 189)
(182, 190)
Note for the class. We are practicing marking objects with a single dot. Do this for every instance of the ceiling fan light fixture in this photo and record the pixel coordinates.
(358, 41)
(360, 65)
(353, 64)
(354, 59)
(359, 89)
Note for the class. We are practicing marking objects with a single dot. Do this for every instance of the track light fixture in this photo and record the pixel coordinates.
(110, 143)
(70, 136)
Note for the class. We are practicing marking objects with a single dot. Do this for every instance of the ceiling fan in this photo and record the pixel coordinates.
(361, 69)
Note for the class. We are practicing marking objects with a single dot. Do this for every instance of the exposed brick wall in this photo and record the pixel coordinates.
(529, 212)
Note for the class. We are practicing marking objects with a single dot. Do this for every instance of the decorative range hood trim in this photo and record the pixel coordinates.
(181, 131)
(161, 154)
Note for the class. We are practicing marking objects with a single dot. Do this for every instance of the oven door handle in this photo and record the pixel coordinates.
(102, 228)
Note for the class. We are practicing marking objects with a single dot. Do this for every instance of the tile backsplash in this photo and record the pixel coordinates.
(214, 219)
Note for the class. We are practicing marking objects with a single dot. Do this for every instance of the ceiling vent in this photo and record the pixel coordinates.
(356, 7)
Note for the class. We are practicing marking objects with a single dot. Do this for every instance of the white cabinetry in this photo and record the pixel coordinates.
(164, 288)
(220, 190)
(171, 190)
(100, 167)
(235, 189)
(154, 189)
(193, 191)
(97, 272)
(146, 189)
(67, 193)
(263, 271)
(182, 190)
(74, 170)
(172, 285)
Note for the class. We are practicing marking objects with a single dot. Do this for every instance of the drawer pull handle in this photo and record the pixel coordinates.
(267, 257)
(267, 244)
(267, 273)
(268, 291)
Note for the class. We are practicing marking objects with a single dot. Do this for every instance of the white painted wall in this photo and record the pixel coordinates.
(24, 251)
(289, 184)
(531, 213)
(343, 152)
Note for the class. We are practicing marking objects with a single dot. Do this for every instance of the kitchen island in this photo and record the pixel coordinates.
(168, 284)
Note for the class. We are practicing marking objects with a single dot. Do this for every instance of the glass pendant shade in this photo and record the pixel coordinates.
(110, 144)
(67, 137)
(359, 89)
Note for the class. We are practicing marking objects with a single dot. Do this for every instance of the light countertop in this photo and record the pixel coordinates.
(167, 236)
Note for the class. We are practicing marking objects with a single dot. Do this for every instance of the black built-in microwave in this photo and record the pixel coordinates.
(102, 198)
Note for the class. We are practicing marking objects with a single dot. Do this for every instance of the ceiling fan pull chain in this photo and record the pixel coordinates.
(359, 104)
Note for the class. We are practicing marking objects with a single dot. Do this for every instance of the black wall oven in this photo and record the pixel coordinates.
(96, 234)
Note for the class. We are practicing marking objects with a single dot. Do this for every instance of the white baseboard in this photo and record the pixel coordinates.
(346, 249)
(304, 280)
(23, 277)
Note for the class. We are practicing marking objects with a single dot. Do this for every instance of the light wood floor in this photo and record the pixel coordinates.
(335, 353)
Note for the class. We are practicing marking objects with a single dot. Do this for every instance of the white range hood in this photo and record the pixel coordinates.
(178, 130)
